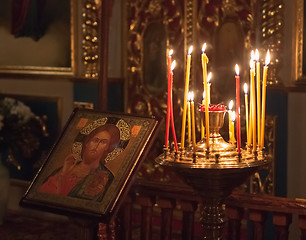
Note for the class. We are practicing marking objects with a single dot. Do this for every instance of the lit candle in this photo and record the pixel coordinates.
(238, 134)
(192, 120)
(245, 86)
(251, 100)
(208, 87)
(171, 108)
(168, 98)
(189, 118)
(253, 119)
(230, 107)
(232, 128)
(171, 116)
(264, 83)
(204, 67)
(258, 94)
(202, 118)
(185, 98)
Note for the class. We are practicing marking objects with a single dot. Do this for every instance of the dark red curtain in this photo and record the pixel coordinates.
(27, 18)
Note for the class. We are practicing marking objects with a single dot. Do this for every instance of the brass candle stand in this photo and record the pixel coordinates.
(213, 172)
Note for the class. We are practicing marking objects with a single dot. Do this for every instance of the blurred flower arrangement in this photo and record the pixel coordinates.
(20, 131)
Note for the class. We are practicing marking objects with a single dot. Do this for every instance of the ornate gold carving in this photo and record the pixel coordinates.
(264, 181)
(113, 154)
(188, 23)
(90, 43)
(154, 7)
(164, 18)
(272, 35)
(76, 150)
(92, 126)
(124, 130)
(298, 41)
(227, 28)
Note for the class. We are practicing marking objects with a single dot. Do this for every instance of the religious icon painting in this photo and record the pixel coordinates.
(90, 168)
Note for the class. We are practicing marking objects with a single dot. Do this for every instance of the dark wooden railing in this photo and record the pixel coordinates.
(156, 210)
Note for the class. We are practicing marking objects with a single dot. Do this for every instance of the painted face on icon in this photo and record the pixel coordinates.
(96, 147)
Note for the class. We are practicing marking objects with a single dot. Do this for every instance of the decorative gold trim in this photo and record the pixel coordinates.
(190, 34)
(272, 36)
(90, 40)
(297, 67)
(37, 70)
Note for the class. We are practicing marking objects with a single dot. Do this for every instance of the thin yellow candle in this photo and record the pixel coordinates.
(258, 94)
(204, 66)
(192, 120)
(238, 125)
(185, 98)
(230, 107)
(232, 132)
(264, 83)
(189, 118)
(208, 86)
(253, 107)
(246, 103)
(250, 124)
(202, 118)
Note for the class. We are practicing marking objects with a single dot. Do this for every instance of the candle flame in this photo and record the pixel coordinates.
(190, 96)
(173, 65)
(230, 105)
(237, 69)
(204, 94)
(204, 47)
(252, 55)
(245, 87)
(251, 63)
(209, 77)
(190, 50)
(170, 52)
(256, 55)
(267, 58)
(233, 116)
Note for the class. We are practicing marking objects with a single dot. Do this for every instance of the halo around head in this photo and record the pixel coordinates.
(124, 130)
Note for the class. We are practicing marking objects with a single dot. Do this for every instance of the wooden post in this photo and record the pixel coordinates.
(234, 215)
(103, 56)
(282, 222)
(258, 218)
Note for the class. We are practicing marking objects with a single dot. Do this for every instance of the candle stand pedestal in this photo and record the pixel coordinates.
(213, 174)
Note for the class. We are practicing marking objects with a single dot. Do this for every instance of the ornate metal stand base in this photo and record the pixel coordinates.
(214, 182)
(214, 173)
(213, 218)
